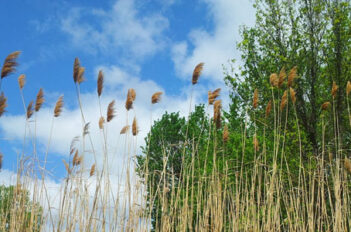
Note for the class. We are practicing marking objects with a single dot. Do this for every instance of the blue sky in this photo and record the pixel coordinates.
(149, 45)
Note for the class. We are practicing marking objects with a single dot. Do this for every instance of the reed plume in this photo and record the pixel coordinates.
(268, 108)
(76, 66)
(325, 105)
(111, 111)
(282, 76)
(92, 170)
(347, 164)
(10, 64)
(225, 134)
(100, 83)
(58, 107)
(130, 98)
(156, 97)
(21, 81)
(213, 95)
(135, 127)
(3, 103)
(67, 167)
(292, 75)
(101, 122)
(124, 129)
(30, 110)
(39, 100)
(273, 79)
(77, 159)
(293, 95)
(217, 105)
(197, 72)
(284, 100)
(81, 78)
(334, 89)
(255, 99)
(255, 143)
(348, 88)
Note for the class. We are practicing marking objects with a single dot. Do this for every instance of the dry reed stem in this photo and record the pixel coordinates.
(282, 76)
(273, 79)
(225, 134)
(135, 127)
(268, 108)
(39, 100)
(10, 64)
(30, 110)
(348, 88)
(255, 143)
(325, 105)
(284, 100)
(292, 95)
(3, 103)
(255, 99)
(111, 111)
(291, 76)
(197, 72)
(92, 170)
(130, 99)
(124, 129)
(58, 107)
(156, 97)
(217, 113)
(100, 83)
(21, 81)
(334, 89)
(101, 122)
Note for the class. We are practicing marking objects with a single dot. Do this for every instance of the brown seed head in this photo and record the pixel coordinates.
(130, 98)
(213, 95)
(268, 108)
(1, 158)
(255, 143)
(76, 67)
(92, 170)
(282, 76)
(134, 127)
(284, 100)
(217, 105)
(273, 79)
(30, 110)
(101, 122)
(58, 107)
(81, 78)
(124, 129)
(325, 105)
(3, 103)
(293, 95)
(334, 89)
(156, 97)
(10, 64)
(197, 73)
(348, 88)
(111, 111)
(255, 99)
(225, 134)
(67, 166)
(21, 81)
(347, 164)
(292, 75)
(39, 100)
(100, 83)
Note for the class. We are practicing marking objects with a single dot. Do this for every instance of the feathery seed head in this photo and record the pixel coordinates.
(268, 108)
(217, 105)
(30, 110)
(282, 76)
(111, 111)
(225, 134)
(334, 89)
(101, 122)
(255, 99)
(130, 98)
(292, 75)
(135, 127)
(124, 129)
(348, 88)
(273, 79)
(100, 83)
(347, 164)
(58, 107)
(81, 78)
(255, 143)
(39, 100)
(293, 95)
(21, 81)
(325, 105)
(156, 97)
(284, 100)
(3, 103)
(76, 67)
(10, 64)
(67, 167)
(92, 170)
(197, 73)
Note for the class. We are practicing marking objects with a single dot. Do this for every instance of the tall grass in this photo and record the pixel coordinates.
(232, 196)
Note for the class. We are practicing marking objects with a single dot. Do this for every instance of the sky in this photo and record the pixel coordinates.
(148, 45)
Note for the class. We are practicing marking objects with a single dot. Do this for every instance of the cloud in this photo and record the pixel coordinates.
(217, 47)
(123, 30)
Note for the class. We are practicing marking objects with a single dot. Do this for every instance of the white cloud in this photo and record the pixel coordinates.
(123, 29)
(214, 48)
